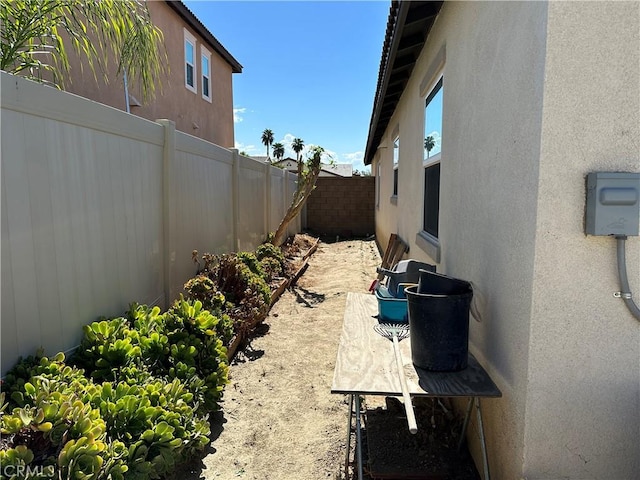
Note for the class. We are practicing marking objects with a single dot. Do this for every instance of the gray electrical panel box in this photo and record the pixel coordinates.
(613, 203)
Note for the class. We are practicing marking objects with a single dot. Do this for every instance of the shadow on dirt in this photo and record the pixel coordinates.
(246, 352)
(306, 297)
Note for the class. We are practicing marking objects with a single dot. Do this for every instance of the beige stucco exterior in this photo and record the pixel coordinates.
(193, 114)
(536, 95)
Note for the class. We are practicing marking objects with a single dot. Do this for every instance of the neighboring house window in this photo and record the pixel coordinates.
(190, 62)
(431, 160)
(396, 157)
(205, 68)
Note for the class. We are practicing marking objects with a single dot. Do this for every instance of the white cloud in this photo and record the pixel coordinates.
(237, 114)
(250, 150)
(331, 156)
(356, 159)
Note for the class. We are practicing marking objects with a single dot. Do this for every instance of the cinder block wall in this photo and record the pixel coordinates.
(342, 206)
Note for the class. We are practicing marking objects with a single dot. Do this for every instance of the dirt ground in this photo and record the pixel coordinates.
(279, 420)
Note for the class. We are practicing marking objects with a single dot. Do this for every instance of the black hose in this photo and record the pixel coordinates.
(625, 290)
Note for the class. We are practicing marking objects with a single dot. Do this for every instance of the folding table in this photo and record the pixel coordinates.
(365, 365)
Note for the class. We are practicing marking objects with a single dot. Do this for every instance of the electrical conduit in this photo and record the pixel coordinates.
(625, 291)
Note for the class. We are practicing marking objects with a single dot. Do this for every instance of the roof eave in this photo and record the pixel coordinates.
(193, 21)
(384, 99)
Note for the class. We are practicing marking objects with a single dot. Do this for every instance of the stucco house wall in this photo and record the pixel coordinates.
(583, 401)
(193, 114)
(536, 95)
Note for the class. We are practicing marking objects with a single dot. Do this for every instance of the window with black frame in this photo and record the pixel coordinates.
(432, 159)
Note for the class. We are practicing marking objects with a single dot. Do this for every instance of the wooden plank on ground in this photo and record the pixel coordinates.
(233, 346)
(393, 254)
(389, 249)
(401, 249)
(275, 295)
(312, 250)
(299, 273)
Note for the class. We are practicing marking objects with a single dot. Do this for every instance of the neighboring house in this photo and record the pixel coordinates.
(327, 170)
(519, 101)
(197, 94)
(261, 158)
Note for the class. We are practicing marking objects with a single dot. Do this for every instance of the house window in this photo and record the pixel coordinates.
(396, 157)
(431, 160)
(190, 62)
(205, 68)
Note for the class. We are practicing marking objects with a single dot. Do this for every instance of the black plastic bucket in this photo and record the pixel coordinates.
(438, 309)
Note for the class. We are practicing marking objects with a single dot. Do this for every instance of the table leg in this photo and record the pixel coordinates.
(466, 423)
(483, 443)
(358, 438)
(346, 459)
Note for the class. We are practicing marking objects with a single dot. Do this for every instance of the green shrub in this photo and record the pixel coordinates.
(271, 260)
(202, 288)
(197, 351)
(52, 428)
(54, 370)
(246, 292)
(250, 260)
(272, 268)
(136, 427)
(268, 250)
(108, 348)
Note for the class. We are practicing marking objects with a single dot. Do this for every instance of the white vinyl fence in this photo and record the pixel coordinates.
(101, 208)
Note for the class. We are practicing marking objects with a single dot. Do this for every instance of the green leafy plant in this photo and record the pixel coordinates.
(241, 280)
(107, 347)
(271, 260)
(134, 402)
(57, 431)
(120, 430)
(272, 268)
(268, 250)
(35, 35)
(197, 350)
(252, 262)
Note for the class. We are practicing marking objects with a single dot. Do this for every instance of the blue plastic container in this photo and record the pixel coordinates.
(390, 308)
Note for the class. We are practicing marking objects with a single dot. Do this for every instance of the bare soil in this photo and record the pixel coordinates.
(279, 420)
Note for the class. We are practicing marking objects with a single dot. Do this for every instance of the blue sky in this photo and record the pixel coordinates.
(310, 70)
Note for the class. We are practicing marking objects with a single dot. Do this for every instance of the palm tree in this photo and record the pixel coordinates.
(297, 145)
(429, 143)
(278, 150)
(32, 40)
(267, 139)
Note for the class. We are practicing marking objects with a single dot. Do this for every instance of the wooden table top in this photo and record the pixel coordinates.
(366, 365)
